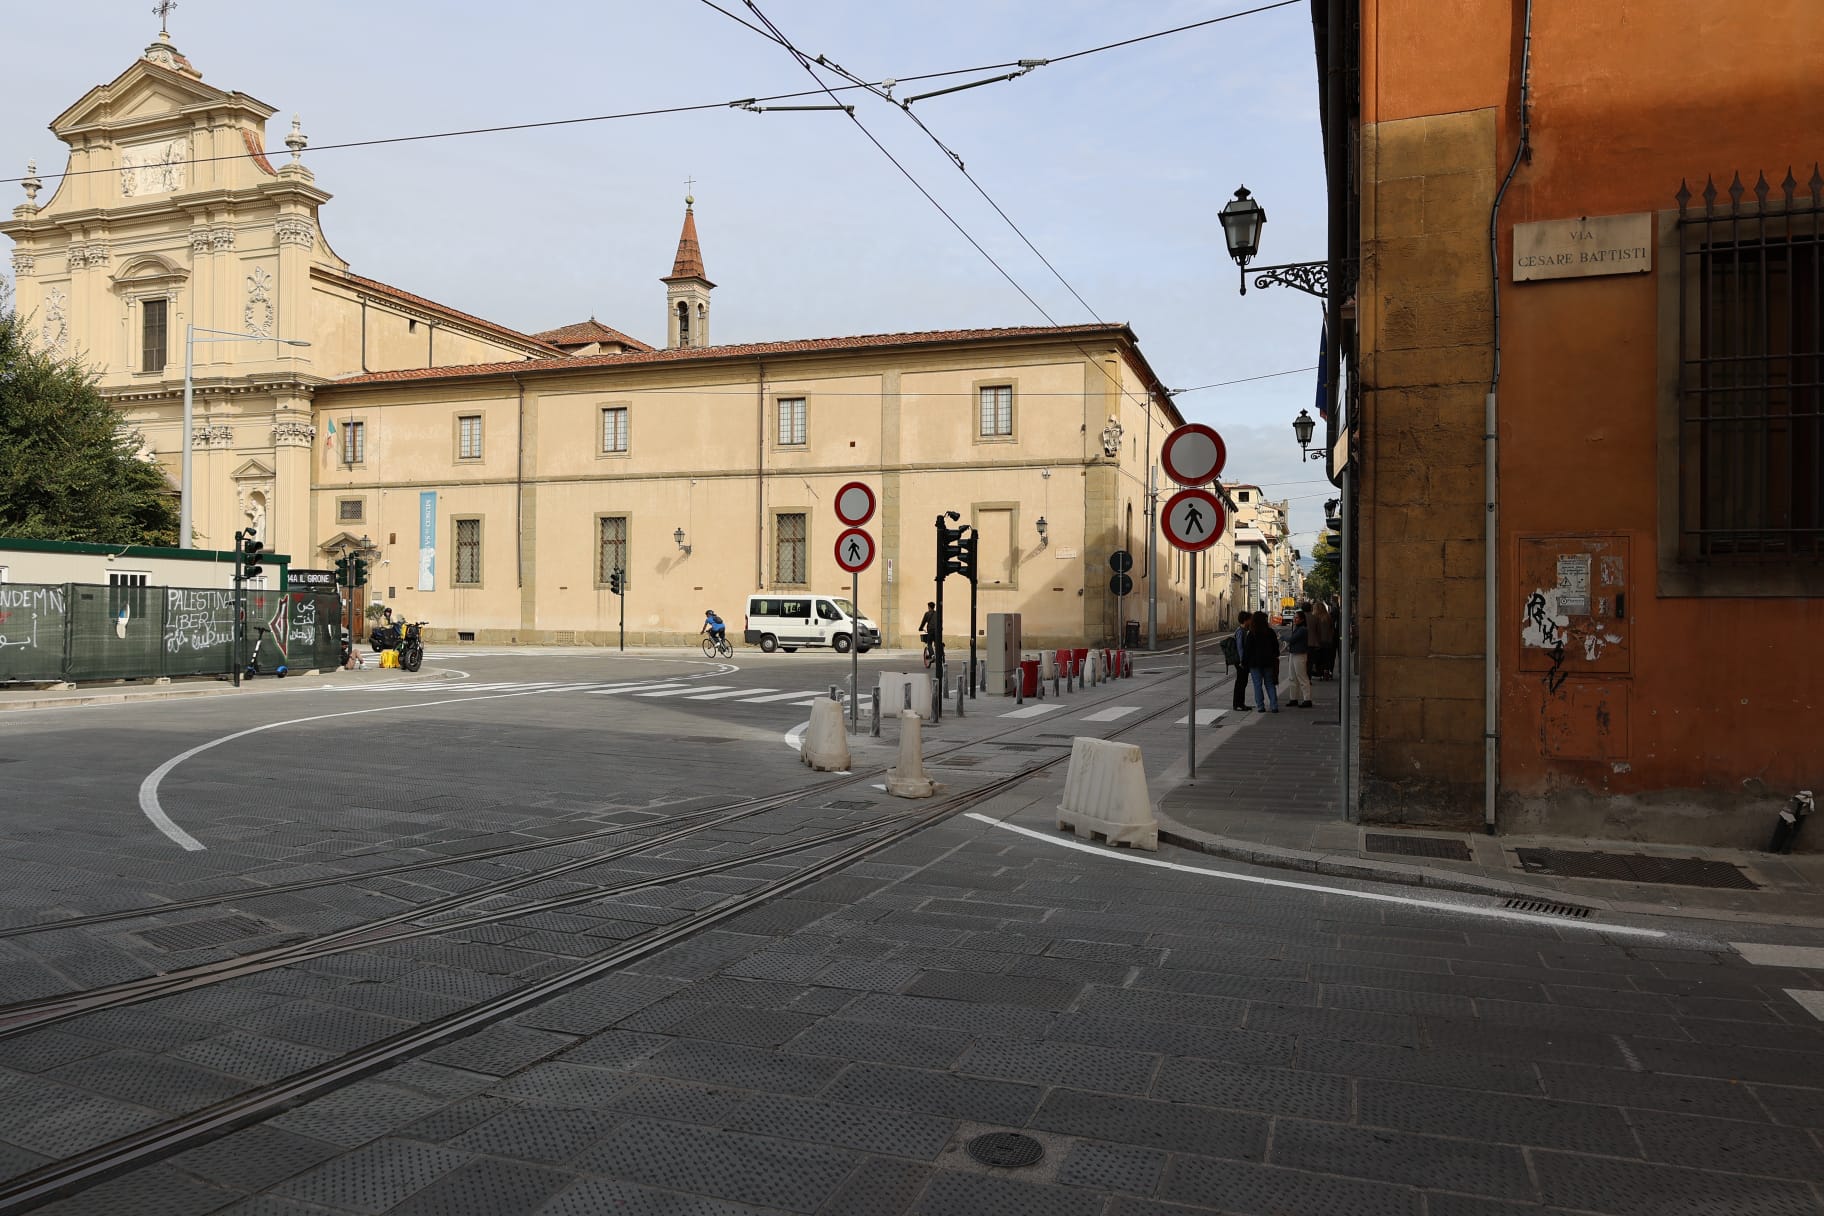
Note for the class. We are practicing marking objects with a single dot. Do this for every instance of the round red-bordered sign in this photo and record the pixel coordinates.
(854, 550)
(1193, 520)
(855, 503)
(1193, 455)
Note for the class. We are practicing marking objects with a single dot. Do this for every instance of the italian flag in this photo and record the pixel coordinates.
(329, 442)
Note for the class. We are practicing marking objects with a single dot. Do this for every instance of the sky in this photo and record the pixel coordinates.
(1114, 166)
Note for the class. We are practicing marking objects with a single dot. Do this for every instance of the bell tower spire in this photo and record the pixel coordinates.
(687, 288)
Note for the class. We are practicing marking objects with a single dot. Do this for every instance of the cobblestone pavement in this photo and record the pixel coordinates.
(1199, 1039)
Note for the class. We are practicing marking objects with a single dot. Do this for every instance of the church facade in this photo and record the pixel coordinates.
(496, 478)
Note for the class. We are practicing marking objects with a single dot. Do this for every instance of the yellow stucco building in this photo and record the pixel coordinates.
(495, 477)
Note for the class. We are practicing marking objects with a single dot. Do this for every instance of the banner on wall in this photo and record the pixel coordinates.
(427, 540)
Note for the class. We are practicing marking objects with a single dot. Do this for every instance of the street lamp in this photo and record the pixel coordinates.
(678, 537)
(1044, 532)
(1303, 427)
(1242, 218)
(190, 341)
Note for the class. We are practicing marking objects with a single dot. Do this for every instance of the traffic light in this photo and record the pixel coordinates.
(968, 546)
(251, 551)
(359, 572)
(345, 571)
(949, 550)
(614, 581)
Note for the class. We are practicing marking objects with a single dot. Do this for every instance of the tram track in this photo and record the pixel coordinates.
(82, 1169)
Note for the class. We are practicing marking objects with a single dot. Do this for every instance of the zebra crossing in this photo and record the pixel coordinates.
(682, 689)
(1797, 958)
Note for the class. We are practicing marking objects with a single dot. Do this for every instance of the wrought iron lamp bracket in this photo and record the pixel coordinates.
(1313, 278)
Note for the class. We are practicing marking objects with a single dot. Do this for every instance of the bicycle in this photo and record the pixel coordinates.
(717, 646)
(930, 653)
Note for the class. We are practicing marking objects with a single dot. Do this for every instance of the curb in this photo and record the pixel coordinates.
(1341, 866)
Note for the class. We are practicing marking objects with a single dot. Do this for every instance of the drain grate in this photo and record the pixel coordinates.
(1636, 867)
(1546, 907)
(199, 933)
(1006, 1150)
(1417, 846)
(848, 804)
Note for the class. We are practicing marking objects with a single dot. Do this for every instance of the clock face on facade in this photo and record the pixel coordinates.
(153, 168)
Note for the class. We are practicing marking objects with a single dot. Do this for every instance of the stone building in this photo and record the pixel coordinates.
(495, 477)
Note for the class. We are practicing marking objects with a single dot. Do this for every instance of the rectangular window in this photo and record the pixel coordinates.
(354, 442)
(611, 535)
(997, 411)
(789, 549)
(1751, 383)
(468, 553)
(351, 510)
(152, 340)
(468, 437)
(791, 421)
(614, 429)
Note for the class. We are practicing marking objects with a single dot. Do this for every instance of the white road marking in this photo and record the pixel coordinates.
(621, 688)
(1763, 955)
(723, 696)
(1408, 901)
(1114, 714)
(674, 692)
(1205, 717)
(1812, 1001)
(1031, 711)
(794, 738)
(154, 810)
(782, 696)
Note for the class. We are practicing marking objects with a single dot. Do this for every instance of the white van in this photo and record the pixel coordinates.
(786, 622)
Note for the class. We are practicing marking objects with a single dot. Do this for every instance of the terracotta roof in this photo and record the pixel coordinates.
(375, 287)
(582, 333)
(254, 150)
(705, 354)
(689, 262)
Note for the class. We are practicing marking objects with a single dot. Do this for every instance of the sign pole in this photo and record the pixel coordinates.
(855, 649)
(623, 598)
(1191, 756)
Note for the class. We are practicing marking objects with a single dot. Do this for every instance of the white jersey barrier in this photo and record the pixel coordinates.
(826, 739)
(908, 779)
(1105, 795)
(893, 688)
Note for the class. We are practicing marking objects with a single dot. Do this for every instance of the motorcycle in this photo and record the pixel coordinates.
(411, 646)
(385, 637)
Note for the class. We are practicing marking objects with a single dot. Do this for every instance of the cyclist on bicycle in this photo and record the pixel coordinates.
(713, 626)
(927, 628)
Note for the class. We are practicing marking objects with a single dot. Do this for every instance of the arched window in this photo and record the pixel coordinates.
(683, 323)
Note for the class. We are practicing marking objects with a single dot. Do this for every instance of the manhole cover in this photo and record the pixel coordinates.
(199, 933)
(1547, 908)
(1006, 1150)
(1417, 846)
(1635, 867)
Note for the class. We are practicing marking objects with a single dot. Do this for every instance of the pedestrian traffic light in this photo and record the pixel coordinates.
(251, 552)
(359, 572)
(614, 581)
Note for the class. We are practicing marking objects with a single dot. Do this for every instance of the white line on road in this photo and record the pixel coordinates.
(1812, 1001)
(1205, 717)
(794, 738)
(1436, 905)
(674, 692)
(1031, 711)
(618, 689)
(739, 692)
(1763, 955)
(782, 696)
(1114, 714)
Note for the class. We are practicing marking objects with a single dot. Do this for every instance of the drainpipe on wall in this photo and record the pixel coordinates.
(1491, 449)
(364, 366)
(519, 489)
(760, 477)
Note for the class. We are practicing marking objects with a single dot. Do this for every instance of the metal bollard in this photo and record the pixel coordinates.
(908, 691)
(835, 693)
(876, 730)
(962, 692)
(1019, 690)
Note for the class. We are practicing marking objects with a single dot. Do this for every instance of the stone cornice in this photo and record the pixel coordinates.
(245, 386)
(197, 202)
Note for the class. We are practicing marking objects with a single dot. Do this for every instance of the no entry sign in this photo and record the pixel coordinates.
(854, 550)
(1193, 455)
(855, 504)
(1193, 520)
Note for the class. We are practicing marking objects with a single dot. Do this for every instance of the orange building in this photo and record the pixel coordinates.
(1596, 226)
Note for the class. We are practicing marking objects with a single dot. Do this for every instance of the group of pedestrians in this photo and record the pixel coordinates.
(1255, 651)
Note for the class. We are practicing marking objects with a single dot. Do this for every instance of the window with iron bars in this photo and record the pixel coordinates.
(1751, 373)
(789, 548)
(612, 547)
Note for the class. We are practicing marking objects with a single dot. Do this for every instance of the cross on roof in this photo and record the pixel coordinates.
(162, 10)
(690, 184)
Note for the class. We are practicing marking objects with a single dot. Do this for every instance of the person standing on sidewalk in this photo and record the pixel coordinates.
(1240, 643)
(1321, 639)
(1262, 656)
(1298, 653)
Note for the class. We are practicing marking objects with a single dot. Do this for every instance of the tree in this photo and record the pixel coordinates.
(1325, 575)
(69, 467)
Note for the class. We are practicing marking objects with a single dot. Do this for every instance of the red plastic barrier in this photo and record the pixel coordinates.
(1029, 677)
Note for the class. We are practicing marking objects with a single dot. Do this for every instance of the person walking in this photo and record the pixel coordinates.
(1298, 653)
(1263, 662)
(1322, 637)
(1240, 643)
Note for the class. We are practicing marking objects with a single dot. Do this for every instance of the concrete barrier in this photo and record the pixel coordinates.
(893, 686)
(826, 739)
(1105, 795)
(907, 779)
(1048, 665)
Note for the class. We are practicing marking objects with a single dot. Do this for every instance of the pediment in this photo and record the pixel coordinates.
(145, 93)
(254, 470)
(345, 540)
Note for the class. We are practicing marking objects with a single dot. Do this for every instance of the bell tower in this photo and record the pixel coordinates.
(687, 288)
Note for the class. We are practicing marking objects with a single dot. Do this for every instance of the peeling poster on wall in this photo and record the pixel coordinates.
(1574, 584)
